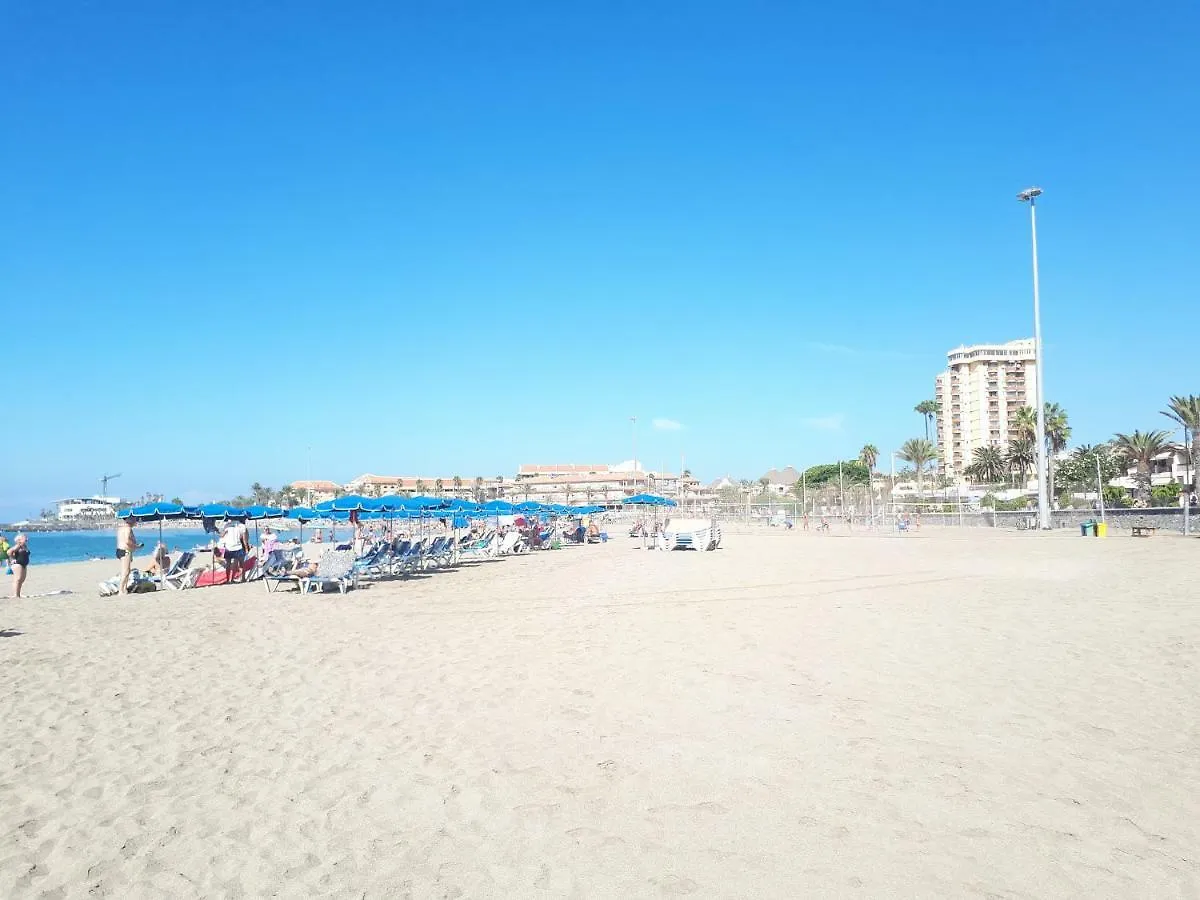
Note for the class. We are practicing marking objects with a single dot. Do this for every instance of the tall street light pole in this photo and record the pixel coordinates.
(633, 431)
(1030, 196)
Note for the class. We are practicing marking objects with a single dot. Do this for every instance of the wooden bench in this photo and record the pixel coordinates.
(1143, 530)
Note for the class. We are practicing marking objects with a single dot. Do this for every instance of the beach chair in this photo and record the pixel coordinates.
(438, 552)
(509, 544)
(173, 577)
(377, 559)
(336, 567)
(184, 580)
(408, 557)
(278, 580)
(484, 546)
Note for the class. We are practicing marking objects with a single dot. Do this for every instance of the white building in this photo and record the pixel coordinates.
(84, 509)
(599, 483)
(1172, 465)
(781, 481)
(315, 491)
(980, 391)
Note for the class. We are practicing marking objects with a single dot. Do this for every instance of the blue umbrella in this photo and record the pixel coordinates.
(348, 503)
(429, 502)
(154, 512)
(254, 513)
(648, 500)
(390, 502)
(218, 511)
(499, 507)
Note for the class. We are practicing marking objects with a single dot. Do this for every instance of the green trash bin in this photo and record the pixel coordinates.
(1087, 528)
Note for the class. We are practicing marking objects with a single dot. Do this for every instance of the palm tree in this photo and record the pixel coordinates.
(1020, 457)
(438, 486)
(929, 409)
(420, 485)
(1024, 421)
(764, 483)
(457, 484)
(1139, 449)
(920, 452)
(868, 456)
(479, 493)
(262, 495)
(1058, 432)
(1186, 411)
(987, 465)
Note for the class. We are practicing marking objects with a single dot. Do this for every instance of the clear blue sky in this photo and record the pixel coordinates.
(450, 238)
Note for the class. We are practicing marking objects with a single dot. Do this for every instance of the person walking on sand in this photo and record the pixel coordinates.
(18, 560)
(127, 545)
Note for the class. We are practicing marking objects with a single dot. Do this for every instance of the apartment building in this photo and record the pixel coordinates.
(442, 486)
(316, 491)
(979, 393)
(600, 484)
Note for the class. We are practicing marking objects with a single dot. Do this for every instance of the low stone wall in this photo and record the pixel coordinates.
(1166, 518)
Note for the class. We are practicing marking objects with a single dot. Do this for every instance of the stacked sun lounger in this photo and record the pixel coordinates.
(692, 534)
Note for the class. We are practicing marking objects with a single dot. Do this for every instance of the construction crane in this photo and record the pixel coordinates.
(104, 480)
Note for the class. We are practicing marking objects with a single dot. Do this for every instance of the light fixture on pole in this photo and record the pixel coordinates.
(1030, 195)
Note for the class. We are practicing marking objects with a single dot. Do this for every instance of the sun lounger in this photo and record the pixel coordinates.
(174, 575)
(691, 534)
(483, 546)
(184, 580)
(510, 543)
(376, 560)
(336, 567)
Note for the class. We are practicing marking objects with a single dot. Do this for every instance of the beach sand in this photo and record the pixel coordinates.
(947, 714)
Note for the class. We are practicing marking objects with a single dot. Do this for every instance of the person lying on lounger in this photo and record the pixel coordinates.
(304, 569)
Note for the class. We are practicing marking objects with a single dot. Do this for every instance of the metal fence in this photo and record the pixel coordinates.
(884, 515)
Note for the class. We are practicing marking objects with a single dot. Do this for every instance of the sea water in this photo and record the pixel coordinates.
(75, 546)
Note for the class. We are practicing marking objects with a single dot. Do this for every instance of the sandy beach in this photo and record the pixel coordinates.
(948, 714)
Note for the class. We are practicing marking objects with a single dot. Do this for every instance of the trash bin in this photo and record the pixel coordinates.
(1086, 528)
(1101, 529)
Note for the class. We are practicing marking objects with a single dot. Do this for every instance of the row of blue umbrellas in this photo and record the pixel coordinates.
(341, 508)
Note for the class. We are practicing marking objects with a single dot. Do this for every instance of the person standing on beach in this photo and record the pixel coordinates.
(18, 559)
(3, 552)
(234, 544)
(126, 546)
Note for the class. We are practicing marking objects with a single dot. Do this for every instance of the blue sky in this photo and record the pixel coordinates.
(451, 238)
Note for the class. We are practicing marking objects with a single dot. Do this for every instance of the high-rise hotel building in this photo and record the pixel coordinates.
(979, 393)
